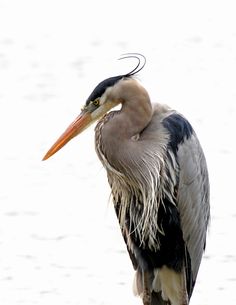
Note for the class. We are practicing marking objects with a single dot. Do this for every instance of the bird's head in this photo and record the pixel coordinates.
(99, 102)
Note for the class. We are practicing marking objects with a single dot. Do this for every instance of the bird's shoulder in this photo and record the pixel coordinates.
(170, 124)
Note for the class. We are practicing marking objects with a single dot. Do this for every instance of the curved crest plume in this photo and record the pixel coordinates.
(141, 62)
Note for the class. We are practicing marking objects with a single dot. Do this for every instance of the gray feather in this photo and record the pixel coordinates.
(193, 199)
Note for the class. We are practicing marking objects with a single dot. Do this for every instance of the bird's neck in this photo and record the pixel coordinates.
(123, 125)
(118, 130)
(135, 113)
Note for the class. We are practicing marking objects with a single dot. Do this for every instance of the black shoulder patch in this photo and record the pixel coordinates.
(179, 129)
(102, 86)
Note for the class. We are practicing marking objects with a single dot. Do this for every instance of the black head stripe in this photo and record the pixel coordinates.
(111, 81)
(101, 87)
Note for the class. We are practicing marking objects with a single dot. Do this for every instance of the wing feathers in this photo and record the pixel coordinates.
(193, 198)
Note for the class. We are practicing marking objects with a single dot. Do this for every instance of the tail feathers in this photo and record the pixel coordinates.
(165, 286)
(156, 297)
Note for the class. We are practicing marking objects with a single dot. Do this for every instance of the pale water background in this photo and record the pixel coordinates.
(59, 240)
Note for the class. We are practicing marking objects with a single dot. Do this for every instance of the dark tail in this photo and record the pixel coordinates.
(157, 299)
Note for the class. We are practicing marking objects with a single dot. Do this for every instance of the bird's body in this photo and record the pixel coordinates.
(159, 182)
(150, 193)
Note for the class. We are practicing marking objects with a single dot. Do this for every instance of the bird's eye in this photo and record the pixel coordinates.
(96, 102)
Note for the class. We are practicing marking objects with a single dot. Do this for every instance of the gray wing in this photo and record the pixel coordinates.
(193, 199)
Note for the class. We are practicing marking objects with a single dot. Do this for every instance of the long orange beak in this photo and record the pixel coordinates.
(79, 124)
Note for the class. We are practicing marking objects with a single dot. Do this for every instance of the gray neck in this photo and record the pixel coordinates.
(135, 113)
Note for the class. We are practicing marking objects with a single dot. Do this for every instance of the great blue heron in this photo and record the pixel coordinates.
(159, 182)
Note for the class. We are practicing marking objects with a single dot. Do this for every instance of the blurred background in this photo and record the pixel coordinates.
(60, 242)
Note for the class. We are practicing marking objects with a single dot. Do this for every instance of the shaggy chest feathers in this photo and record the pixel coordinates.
(143, 185)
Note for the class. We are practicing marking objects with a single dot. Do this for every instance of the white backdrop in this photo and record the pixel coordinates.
(59, 240)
